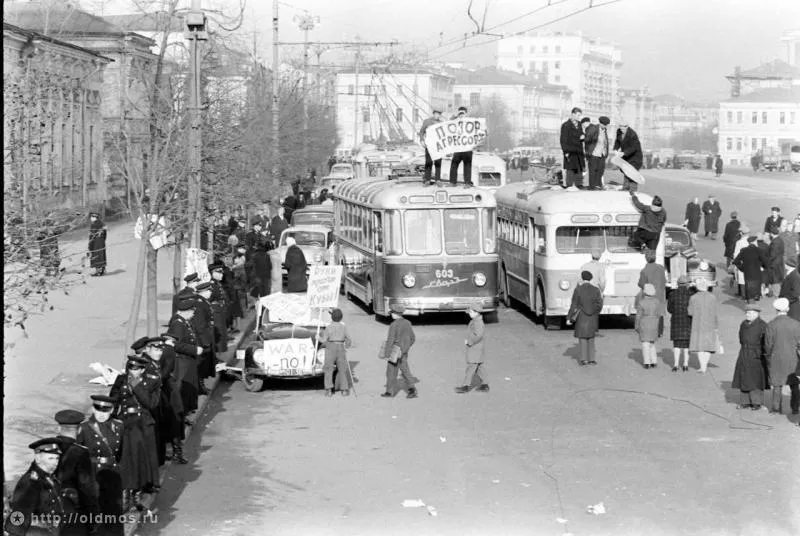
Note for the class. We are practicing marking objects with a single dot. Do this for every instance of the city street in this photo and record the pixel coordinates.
(666, 453)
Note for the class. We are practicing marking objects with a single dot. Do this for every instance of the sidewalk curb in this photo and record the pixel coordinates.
(248, 326)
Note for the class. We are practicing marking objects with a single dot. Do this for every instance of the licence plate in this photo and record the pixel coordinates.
(289, 372)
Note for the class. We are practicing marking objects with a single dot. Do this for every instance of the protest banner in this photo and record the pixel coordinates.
(197, 262)
(455, 136)
(289, 355)
(323, 286)
(289, 308)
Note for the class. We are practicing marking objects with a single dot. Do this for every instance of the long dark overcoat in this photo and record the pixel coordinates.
(781, 346)
(680, 324)
(712, 213)
(186, 361)
(587, 302)
(572, 146)
(775, 270)
(790, 289)
(97, 244)
(296, 267)
(730, 236)
(750, 261)
(750, 373)
(692, 217)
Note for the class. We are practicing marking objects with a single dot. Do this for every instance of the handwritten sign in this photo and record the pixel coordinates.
(323, 286)
(291, 308)
(197, 262)
(456, 136)
(286, 355)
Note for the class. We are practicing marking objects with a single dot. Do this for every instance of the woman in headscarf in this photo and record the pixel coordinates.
(296, 267)
(648, 317)
(680, 324)
(97, 245)
(704, 338)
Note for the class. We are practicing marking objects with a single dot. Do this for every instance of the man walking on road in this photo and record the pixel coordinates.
(463, 156)
(429, 162)
(597, 146)
(627, 146)
(584, 312)
(782, 347)
(790, 289)
(572, 138)
(712, 212)
(730, 237)
(401, 334)
(691, 219)
(475, 352)
(774, 221)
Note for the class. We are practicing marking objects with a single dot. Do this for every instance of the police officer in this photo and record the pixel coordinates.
(188, 351)
(76, 474)
(139, 393)
(169, 413)
(205, 327)
(36, 506)
(219, 306)
(102, 437)
(170, 360)
(192, 280)
(139, 347)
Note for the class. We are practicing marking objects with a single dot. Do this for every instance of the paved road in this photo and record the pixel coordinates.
(667, 453)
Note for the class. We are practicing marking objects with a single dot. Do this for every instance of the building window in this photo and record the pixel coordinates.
(520, 49)
(754, 144)
(65, 164)
(558, 49)
(783, 118)
(545, 49)
(399, 115)
(729, 143)
(558, 79)
(558, 65)
(792, 118)
(416, 115)
(545, 67)
(764, 117)
(474, 100)
(519, 65)
(730, 117)
(91, 155)
(367, 90)
(755, 118)
(533, 49)
(533, 67)
(763, 143)
(738, 144)
(365, 115)
(351, 89)
(457, 99)
(739, 118)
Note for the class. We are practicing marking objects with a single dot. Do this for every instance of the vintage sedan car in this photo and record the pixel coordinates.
(291, 352)
(341, 171)
(329, 183)
(313, 240)
(313, 215)
(681, 258)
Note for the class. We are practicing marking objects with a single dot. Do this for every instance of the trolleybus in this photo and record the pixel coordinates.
(425, 249)
(545, 234)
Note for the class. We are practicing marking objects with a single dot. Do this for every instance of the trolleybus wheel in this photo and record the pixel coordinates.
(549, 322)
(252, 383)
(505, 299)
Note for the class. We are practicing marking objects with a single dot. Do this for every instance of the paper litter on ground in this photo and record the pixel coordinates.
(413, 503)
(443, 439)
(596, 509)
(108, 374)
(561, 520)
(432, 511)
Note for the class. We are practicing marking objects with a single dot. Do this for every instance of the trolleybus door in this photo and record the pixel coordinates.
(378, 264)
(536, 252)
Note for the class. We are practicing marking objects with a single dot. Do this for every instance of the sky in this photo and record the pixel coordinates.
(683, 47)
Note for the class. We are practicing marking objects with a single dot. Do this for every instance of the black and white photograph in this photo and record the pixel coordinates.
(392, 267)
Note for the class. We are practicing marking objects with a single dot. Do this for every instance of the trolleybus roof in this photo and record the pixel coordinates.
(408, 192)
(545, 199)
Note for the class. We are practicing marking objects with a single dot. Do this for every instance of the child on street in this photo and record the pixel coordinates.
(336, 341)
(475, 352)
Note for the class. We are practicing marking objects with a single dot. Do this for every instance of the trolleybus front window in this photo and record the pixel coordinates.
(423, 232)
(587, 239)
(489, 230)
(461, 231)
(394, 233)
(618, 239)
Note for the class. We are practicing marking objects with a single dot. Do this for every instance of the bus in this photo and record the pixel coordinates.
(545, 234)
(488, 171)
(425, 249)
(373, 162)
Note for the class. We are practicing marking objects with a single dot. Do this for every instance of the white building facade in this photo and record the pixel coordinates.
(388, 105)
(591, 68)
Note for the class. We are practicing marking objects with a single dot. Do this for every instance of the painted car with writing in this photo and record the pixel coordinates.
(681, 258)
(313, 240)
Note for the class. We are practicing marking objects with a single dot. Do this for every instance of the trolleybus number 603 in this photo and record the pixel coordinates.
(444, 274)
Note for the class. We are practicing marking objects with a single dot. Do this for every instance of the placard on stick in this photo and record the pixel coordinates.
(323, 286)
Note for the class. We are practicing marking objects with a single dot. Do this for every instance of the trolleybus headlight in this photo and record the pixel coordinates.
(479, 279)
(563, 284)
(703, 265)
(409, 280)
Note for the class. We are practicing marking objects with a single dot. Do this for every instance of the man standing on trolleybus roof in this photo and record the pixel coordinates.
(572, 138)
(429, 162)
(463, 156)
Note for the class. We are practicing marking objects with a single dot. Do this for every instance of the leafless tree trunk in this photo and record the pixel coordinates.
(133, 316)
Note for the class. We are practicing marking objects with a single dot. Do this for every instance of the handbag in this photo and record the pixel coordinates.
(718, 344)
(394, 356)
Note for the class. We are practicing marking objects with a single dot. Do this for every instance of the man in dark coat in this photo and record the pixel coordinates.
(169, 413)
(731, 236)
(296, 267)
(205, 328)
(430, 163)
(461, 156)
(782, 349)
(750, 373)
(790, 289)
(189, 291)
(627, 146)
(76, 474)
(290, 204)
(401, 334)
(188, 351)
(219, 306)
(597, 146)
(774, 269)
(139, 394)
(97, 245)
(718, 165)
(772, 225)
(278, 225)
(751, 261)
(692, 218)
(36, 505)
(253, 239)
(651, 222)
(584, 312)
(572, 137)
(712, 212)
(656, 275)
(261, 275)
(102, 437)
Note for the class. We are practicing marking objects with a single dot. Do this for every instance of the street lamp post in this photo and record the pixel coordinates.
(196, 32)
(306, 23)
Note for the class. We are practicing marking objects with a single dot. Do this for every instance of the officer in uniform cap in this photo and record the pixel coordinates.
(169, 414)
(139, 347)
(188, 350)
(139, 393)
(192, 280)
(169, 357)
(36, 506)
(219, 306)
(102, 436)
(76, 474)
(203, 322)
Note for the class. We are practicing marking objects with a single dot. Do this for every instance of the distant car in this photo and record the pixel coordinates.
(341, 171)
(313, 215)
(329, 183)
(681, 258)
(314, 241)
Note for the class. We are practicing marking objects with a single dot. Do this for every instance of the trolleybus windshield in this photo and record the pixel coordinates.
(575, 239)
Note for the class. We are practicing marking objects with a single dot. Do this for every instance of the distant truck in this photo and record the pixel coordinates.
(773, 159)
(794, 157)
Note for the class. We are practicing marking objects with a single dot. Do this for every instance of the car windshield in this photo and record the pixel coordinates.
(616, 239)
(329, 183)
(486, 179)
(462, 231)
(677, 239)
(305, 238)
(341, 169)
(313, 218)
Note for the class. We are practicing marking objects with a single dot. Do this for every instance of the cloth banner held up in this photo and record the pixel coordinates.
(323, 286)
(197, 262)
(291, 308)
(456, 136)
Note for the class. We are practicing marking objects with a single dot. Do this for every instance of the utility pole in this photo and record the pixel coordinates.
(196, 23)
(355, 105)
(275, 103)
(306, 23)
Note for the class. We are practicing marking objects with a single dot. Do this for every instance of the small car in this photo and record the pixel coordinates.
(313, 215)
(329, 183)
(681, 258)
(341, 171)
(313, 240)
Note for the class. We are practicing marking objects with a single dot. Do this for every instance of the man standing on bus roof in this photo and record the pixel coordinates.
(463, 156)
(429, 162)
(596, 144)
(572, 138)
(628, 147)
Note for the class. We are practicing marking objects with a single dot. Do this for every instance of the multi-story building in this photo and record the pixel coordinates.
(52, 121)
(535, 108)
(591, 68)
(388, 104)
(674, 115)
(127, 84)
(637, 108)
(763, 113)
